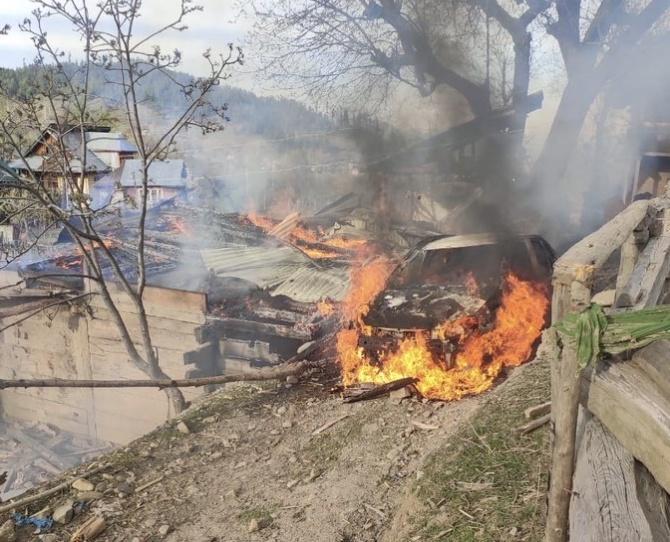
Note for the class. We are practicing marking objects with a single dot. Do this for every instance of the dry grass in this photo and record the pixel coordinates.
(489, 483)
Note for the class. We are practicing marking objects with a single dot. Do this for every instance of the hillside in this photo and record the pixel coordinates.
(266, 463)
(251, 114)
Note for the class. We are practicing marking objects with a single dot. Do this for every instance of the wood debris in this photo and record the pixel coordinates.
(380, 390)
(534, 424)
(329, 424)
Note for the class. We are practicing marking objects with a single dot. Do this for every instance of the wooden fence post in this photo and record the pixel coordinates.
(565, 406)
(573, 276)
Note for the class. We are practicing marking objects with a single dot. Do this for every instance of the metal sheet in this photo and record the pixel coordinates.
(309, 285)
(265, 266)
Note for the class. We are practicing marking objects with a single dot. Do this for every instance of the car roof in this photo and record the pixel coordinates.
(471, 240)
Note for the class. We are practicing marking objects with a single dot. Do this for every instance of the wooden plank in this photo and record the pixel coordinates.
(117, 367)
(238, 328)
(654, 360)
(648, 277)
(608, 505)
(630, 251)
(155, 322)
(636, 411)
(169, 297)
(171, 340)
(124, 305)
(582, 260)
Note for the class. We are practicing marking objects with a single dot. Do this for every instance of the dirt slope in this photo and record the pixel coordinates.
(249, 469)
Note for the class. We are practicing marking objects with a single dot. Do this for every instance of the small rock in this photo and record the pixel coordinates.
(216, 455)
(89, 496)
(287, 424)
(281, 411)
(163, 530)
(275, 432)
(235, 492)
(183, 428)
(7, 531)
(124, 489)
(253, 526)
(64, 513)
(292, 483)
(82, 484)
(398, 395)
(292, 379)
(256, 525)
(428, 414)
(514, 531)
(209, 419)
(101, 487)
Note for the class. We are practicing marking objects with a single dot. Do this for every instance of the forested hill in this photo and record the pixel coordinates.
(250, 114)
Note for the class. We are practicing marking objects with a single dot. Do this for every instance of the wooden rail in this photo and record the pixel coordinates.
(641, 231)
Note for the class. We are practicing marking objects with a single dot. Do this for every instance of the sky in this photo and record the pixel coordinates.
(214, 27)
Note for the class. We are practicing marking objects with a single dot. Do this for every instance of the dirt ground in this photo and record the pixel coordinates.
(249, 468)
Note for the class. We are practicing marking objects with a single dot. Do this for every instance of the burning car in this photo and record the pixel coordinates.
(453, 314)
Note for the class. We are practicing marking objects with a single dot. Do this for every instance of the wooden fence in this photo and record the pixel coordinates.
(618, 441)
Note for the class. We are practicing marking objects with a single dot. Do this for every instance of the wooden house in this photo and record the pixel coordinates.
(101, 152)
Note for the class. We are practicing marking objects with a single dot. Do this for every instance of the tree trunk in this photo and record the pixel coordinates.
(562, 140)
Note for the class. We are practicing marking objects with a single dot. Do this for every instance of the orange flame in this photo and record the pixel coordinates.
(479, 359)
(325, 308)
(303, 237)
(261, 221)
(177, 224)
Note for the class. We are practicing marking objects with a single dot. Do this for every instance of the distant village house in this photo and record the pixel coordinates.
(103, 152)
(167, 179)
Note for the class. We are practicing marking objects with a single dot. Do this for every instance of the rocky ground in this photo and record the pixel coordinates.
(257, 463)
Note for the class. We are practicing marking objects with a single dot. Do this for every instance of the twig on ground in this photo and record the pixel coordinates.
(329, 424)
(534, 424)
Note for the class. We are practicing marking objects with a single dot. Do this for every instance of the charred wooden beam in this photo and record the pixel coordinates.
(383, 389)
(236, 328)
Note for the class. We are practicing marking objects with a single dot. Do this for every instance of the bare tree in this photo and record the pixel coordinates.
(112, 40)
(598, 41)
(365, 46)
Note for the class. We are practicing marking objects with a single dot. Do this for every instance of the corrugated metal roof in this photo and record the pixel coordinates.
(283, 270)
(265, 266)
(309, 285)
